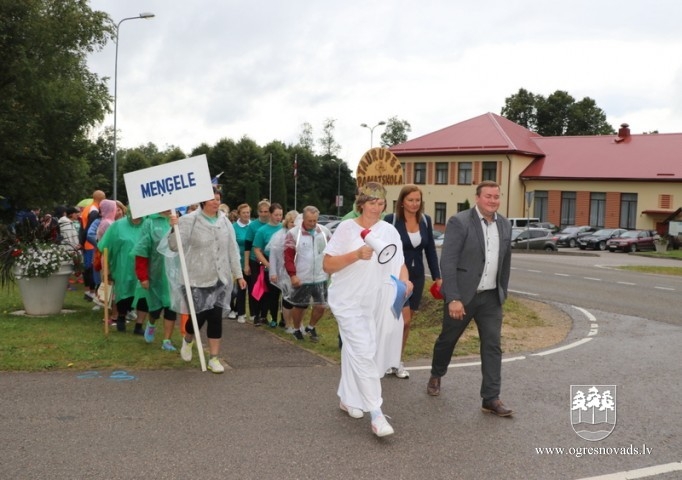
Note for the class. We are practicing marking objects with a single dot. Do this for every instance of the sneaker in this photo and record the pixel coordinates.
(298, 334)
(149, 332)
(257, 322)
(391, 371)
(290, 330)
(381, 427)
(232, 315)
(273, 324)
(131, 315)
(352, 411)
(215, 366)
(186, 350)
(313, 334)
(89, 296)
(121, 324)
(168, 346)
(401, 372)
(96, 308)
(97, 302)
(138, 329)
(241, 319)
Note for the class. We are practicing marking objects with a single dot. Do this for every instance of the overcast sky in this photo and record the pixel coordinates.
(203, 70)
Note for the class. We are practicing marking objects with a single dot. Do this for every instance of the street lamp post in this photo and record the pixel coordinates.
(371, 131)
(118, 25)
(338, 191)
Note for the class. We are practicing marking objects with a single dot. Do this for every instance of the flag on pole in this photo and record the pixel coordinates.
(295, 166)
(214, 180)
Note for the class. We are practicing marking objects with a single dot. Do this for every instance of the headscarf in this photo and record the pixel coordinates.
(107, 209)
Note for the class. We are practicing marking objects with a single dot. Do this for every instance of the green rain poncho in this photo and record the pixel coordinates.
(120, 238)
(155, 228)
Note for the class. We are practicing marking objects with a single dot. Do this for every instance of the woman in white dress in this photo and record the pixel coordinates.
(361, 295)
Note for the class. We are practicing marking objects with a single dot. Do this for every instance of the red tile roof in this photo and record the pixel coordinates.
(638, 157)
(631, 157)
(488, 133)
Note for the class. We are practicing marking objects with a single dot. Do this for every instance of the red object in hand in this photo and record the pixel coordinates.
(364, 233)
(435, 291)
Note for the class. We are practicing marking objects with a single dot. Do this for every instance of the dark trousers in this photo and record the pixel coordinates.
(486, 311)
(238, 302)
(254, 305)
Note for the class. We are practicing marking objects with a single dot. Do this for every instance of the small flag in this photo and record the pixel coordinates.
(214, 180)
(295, 167)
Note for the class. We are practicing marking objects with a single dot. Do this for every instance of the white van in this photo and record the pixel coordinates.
(522, 222)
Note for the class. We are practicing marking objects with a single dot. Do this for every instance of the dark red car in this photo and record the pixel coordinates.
(633, 241)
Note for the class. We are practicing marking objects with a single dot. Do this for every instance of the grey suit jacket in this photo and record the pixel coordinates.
(463, 256)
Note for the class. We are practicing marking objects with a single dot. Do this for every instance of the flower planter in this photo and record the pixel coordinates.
(44, 296)
(661, 247)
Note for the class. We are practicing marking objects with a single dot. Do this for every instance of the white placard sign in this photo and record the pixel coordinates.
(168, 186)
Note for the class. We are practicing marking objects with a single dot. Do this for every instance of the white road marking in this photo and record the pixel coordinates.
(665, 288)
(592, 278)
(562, 274)
(640, 472)
(524, 293)
(626, 283)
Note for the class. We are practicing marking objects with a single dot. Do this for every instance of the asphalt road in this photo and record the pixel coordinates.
(273, 414)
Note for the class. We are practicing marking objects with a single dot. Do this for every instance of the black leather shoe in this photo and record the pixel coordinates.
(496, 407)
(433, 387)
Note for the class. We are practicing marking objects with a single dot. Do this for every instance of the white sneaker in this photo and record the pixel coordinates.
(381, 427)
(232, 315)
(241, 319)
(215, 366)
(401, 372)
(131, 315)
(351, 411)
(186, 350)
(391, 371)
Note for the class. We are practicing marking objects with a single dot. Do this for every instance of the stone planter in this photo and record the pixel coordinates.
(44, 296)
(661, 247)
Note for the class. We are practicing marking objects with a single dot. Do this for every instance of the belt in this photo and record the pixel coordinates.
(484, 290)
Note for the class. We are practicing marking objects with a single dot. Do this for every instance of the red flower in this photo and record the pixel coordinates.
(16, 253)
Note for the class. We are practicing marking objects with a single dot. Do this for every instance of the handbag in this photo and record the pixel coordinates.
(261, 286)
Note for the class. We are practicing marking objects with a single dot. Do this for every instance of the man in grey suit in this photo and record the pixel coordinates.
(475, 265)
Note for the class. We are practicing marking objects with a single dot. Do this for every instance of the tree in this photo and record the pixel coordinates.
(395, 132)
(558, 114)
(48, 97)
(305, 139)
(327, 141)
(521, 108)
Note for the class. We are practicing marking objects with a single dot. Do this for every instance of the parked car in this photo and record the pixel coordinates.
(568, 237)
(598, 239)
(533, 239)
(547, 225)
(331, 226)
(633, 241)
(324, 219)
(522, 221)
(438, 238)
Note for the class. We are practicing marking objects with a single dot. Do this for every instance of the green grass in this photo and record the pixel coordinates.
(72, 340)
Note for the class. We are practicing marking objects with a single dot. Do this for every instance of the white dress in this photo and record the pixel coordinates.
(360, 297)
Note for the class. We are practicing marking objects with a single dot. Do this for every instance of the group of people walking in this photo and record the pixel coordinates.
(279, 265)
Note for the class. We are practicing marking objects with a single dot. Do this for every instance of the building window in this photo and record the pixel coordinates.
(597, 209)
(441, 173)
(541, 205)
(464, 173)
(567, 209)
(490, 171)
(461, 206)
(628, 210)
(420, 173)
(440, 213)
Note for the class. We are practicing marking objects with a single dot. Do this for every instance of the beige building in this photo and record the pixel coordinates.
(624, 180)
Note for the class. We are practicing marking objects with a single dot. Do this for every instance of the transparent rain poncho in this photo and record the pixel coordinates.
(212, 260)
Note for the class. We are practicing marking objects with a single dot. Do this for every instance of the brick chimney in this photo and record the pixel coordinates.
(623, 132)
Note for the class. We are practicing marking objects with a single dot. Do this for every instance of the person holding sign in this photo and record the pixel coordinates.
(212, 258)
(360, 296)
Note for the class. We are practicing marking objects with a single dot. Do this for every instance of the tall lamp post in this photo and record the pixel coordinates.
(118, 25)
(371, 131)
